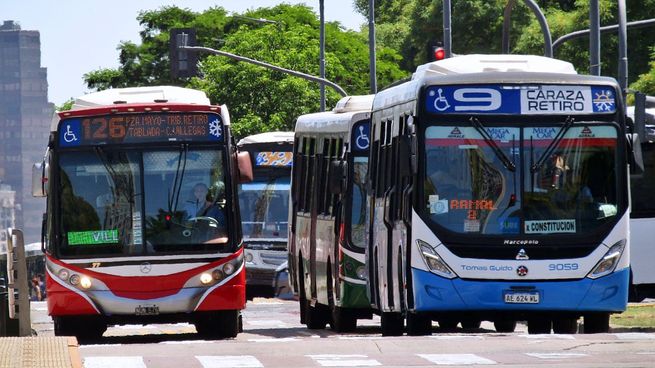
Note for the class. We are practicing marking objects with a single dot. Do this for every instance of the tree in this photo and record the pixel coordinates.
(259, 99)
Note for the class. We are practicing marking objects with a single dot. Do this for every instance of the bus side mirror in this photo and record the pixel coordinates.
(336, 181)
(635, 156)
(40, 179)
(245, 167)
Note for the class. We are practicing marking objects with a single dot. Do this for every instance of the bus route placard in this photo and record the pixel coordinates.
(140, 128)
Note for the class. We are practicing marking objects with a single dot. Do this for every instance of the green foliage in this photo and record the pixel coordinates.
(258, 99)
(646, 82)
(65, 106)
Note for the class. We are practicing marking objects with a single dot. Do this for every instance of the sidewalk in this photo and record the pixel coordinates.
(41, 352)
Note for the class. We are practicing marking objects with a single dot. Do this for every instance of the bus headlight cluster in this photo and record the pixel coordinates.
(609, 261)
(361, 272)
(433, 261)
(219, 273)
(249, 257)
(76, 280)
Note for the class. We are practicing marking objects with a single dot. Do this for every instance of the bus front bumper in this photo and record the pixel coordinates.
(436, 294)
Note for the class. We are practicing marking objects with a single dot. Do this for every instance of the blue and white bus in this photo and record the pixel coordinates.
(499, 192)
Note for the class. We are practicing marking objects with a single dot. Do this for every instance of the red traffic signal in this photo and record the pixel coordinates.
(438, 53)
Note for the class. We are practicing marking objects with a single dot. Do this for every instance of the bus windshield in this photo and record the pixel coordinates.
(470, 187)
(105, 211)
(264, 208)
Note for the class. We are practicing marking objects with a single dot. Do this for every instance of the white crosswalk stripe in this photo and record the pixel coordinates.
(344, 360)
(456, 359)
(114, 361)
(229, 361)
(556, 355)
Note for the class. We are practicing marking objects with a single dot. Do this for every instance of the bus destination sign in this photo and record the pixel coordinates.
(140, 128)
(525, 100)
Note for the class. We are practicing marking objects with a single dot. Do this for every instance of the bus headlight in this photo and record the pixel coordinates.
(74, 279)
(249, 257)
(217, 274)
(206, 278)
(85, 282)
(361, 272)
(608, 263)
(63, 274)
(228, 268)
(433, 261)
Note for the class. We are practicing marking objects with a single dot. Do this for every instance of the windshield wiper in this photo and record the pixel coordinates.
(551, 147)
(509, 165)
(174, 198)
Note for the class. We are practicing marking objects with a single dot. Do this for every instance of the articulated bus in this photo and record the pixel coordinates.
(642, 216)
(142, 222)
(327, 215)
(499, 192)
(264, 206)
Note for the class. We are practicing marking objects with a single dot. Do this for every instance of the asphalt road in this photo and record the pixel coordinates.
(273, 337)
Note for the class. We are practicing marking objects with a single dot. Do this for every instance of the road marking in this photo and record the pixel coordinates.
(635, 336)
(229, 361)
(275, 339)
(344, 360)
(456, 337)
(114, 361)
(556, 355)
(266, 323)
(456, 359)
(548, 337)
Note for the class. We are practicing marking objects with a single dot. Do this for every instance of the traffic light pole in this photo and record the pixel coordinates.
(312, 78)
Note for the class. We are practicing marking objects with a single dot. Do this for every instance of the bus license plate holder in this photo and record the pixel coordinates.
(146, 310)
(521, 297)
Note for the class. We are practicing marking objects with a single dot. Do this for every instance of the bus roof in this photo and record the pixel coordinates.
(268, 137)
(133, 95)
(481, 69)
(348, 110)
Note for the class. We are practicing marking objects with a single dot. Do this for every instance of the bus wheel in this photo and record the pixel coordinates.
(418, 324)
(448, 324)
(505, 325)
(343, 320)
(391, 324)
(596, 323)
(565, 326)
(315, 317)
(539, 326)
(471, 324)
(219, 324)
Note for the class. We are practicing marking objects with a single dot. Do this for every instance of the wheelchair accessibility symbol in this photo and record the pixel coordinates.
(441, 102)
(362, 141)
(69, 136)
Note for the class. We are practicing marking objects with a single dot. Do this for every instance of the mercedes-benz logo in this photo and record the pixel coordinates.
(145, 267)
(522, 270)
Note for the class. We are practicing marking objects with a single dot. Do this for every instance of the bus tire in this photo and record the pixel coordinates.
(391, 324)
(539, 325)
(566, 326)
(218, 324)
(596, 323)
(448, 324)
(505, 325)
(471, 324)
(343, 320)
(314, 316)
(418, 324)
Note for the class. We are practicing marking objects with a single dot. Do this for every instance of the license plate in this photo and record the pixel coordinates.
(146, 310)
(521, 298)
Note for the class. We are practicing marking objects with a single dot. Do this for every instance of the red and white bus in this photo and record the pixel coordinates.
(142, 222)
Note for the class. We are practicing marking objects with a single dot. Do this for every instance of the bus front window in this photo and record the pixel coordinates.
(358, 202)
(100, 200)
(264, 208)
(185, 200)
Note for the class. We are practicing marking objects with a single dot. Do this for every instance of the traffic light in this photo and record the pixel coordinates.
(184, 63)
(438, 53)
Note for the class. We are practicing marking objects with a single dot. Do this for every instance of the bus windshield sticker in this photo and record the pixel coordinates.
(520, 99)
(137, 128)
(510, 225)
(550, 226)
(274, 159)
(136, 228)
(437, 206)
(471, 226)
(93, 237)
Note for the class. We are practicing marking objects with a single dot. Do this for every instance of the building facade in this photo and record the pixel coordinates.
(25, 116)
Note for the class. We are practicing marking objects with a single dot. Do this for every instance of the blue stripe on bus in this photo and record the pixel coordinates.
(434, 293)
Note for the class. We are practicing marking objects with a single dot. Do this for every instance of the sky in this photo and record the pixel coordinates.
(79, 36)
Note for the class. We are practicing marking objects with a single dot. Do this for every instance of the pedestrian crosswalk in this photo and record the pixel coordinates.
(331, 360)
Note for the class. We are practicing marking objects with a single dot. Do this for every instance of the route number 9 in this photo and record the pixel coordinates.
(477, 99)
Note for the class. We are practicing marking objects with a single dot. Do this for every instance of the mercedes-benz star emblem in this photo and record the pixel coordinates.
(145, 267)
(522, 270)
